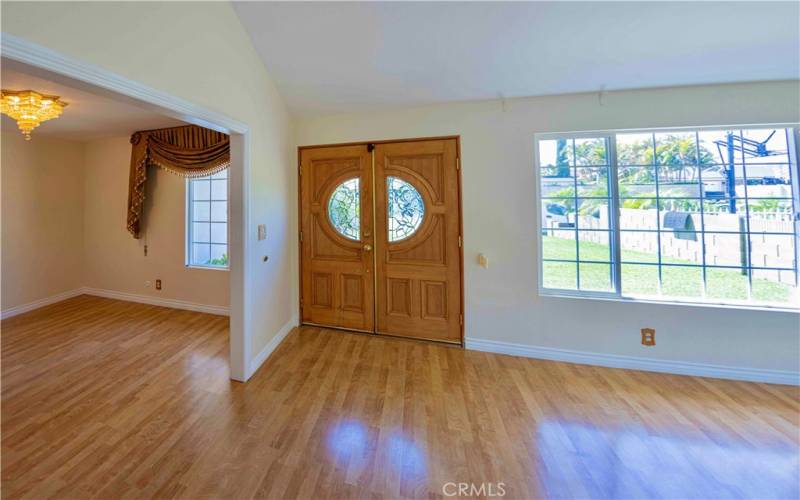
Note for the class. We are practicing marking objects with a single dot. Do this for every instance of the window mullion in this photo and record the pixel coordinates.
(701, 194)
(793, 149)
(748, 256)
(657, 174)
(574, 171)
(616, 240)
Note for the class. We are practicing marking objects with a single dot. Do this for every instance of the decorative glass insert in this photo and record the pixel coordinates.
(406, 209)
(207, 214)
(344, 209)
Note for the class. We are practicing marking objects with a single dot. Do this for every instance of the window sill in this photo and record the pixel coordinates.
(565, 294)
(208, 268)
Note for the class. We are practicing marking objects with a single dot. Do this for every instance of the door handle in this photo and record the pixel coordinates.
(367, 247)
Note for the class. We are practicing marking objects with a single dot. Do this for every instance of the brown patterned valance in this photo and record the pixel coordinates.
(189, 151)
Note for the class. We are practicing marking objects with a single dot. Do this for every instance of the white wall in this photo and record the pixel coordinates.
(42, 211)
(502, 303)
(201, 53)
(113, 259)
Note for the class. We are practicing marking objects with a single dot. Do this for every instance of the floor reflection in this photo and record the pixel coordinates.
(347, 439)
(405, 456)
(352, 442)
(633, 462)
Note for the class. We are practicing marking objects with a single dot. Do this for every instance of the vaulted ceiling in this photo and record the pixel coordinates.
(333, 57)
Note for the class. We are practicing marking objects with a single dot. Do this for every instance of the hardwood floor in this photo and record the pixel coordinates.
(110, 399)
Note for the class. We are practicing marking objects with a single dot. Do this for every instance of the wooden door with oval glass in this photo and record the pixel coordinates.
(336, 239)
(417, 211)
(394, 266)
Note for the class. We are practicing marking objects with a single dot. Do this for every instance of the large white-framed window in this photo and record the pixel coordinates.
(686, 215)
(207, 221)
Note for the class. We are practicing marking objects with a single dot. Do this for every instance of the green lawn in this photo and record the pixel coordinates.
(637, 279)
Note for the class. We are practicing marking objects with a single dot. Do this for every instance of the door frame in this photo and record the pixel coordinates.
(47, 63)
(457, 138)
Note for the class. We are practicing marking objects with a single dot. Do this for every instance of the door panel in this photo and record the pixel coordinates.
(418, 264)
(337, 285)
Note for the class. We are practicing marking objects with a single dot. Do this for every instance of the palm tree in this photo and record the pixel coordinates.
(562, 160)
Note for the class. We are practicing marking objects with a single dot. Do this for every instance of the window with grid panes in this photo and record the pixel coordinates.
(207, 221)
(704, 216)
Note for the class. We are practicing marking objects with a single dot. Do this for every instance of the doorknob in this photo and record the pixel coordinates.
(367, 247)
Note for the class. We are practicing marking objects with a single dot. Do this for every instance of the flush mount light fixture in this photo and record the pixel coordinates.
(30, 108)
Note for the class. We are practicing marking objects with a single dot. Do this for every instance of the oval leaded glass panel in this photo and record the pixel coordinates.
(344, 209)
(406, 209)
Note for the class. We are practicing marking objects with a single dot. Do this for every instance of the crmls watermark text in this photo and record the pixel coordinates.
(474, 489)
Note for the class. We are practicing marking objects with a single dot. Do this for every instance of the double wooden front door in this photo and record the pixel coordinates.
(380, 238)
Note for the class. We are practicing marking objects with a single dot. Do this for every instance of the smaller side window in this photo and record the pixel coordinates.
(207, 221)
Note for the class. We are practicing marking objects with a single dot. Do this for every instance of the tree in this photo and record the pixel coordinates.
(562, 159)
(675, 154)
(590, 152)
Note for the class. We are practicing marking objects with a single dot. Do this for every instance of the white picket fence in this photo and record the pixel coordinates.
(767, 250)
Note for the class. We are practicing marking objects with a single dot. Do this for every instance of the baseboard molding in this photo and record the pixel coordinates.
(36, 304)
(273, 344)
(113, 294)
(634, 363)
(157, 301)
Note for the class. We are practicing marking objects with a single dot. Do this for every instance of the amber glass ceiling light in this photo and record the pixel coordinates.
(30, 108)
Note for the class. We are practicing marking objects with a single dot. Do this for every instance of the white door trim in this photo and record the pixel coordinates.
(99, 80)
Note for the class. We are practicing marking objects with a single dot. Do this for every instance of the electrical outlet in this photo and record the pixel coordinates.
(148, 284)
(158, 284)
(648, 336)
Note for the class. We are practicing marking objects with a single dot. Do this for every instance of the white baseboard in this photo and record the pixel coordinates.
(634, 363)
(273, 344)
(529, 351)
(157, 301)
(36, 304)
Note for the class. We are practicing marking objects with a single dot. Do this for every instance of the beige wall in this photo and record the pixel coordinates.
(113, 260)
(42, 218)
(182, 37)
(502, 302)
(63, 213)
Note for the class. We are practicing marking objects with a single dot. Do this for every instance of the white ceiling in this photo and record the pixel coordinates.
(88, 116)
(336, 57)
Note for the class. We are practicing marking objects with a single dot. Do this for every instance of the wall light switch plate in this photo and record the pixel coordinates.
(262, 232)
(483, 261)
